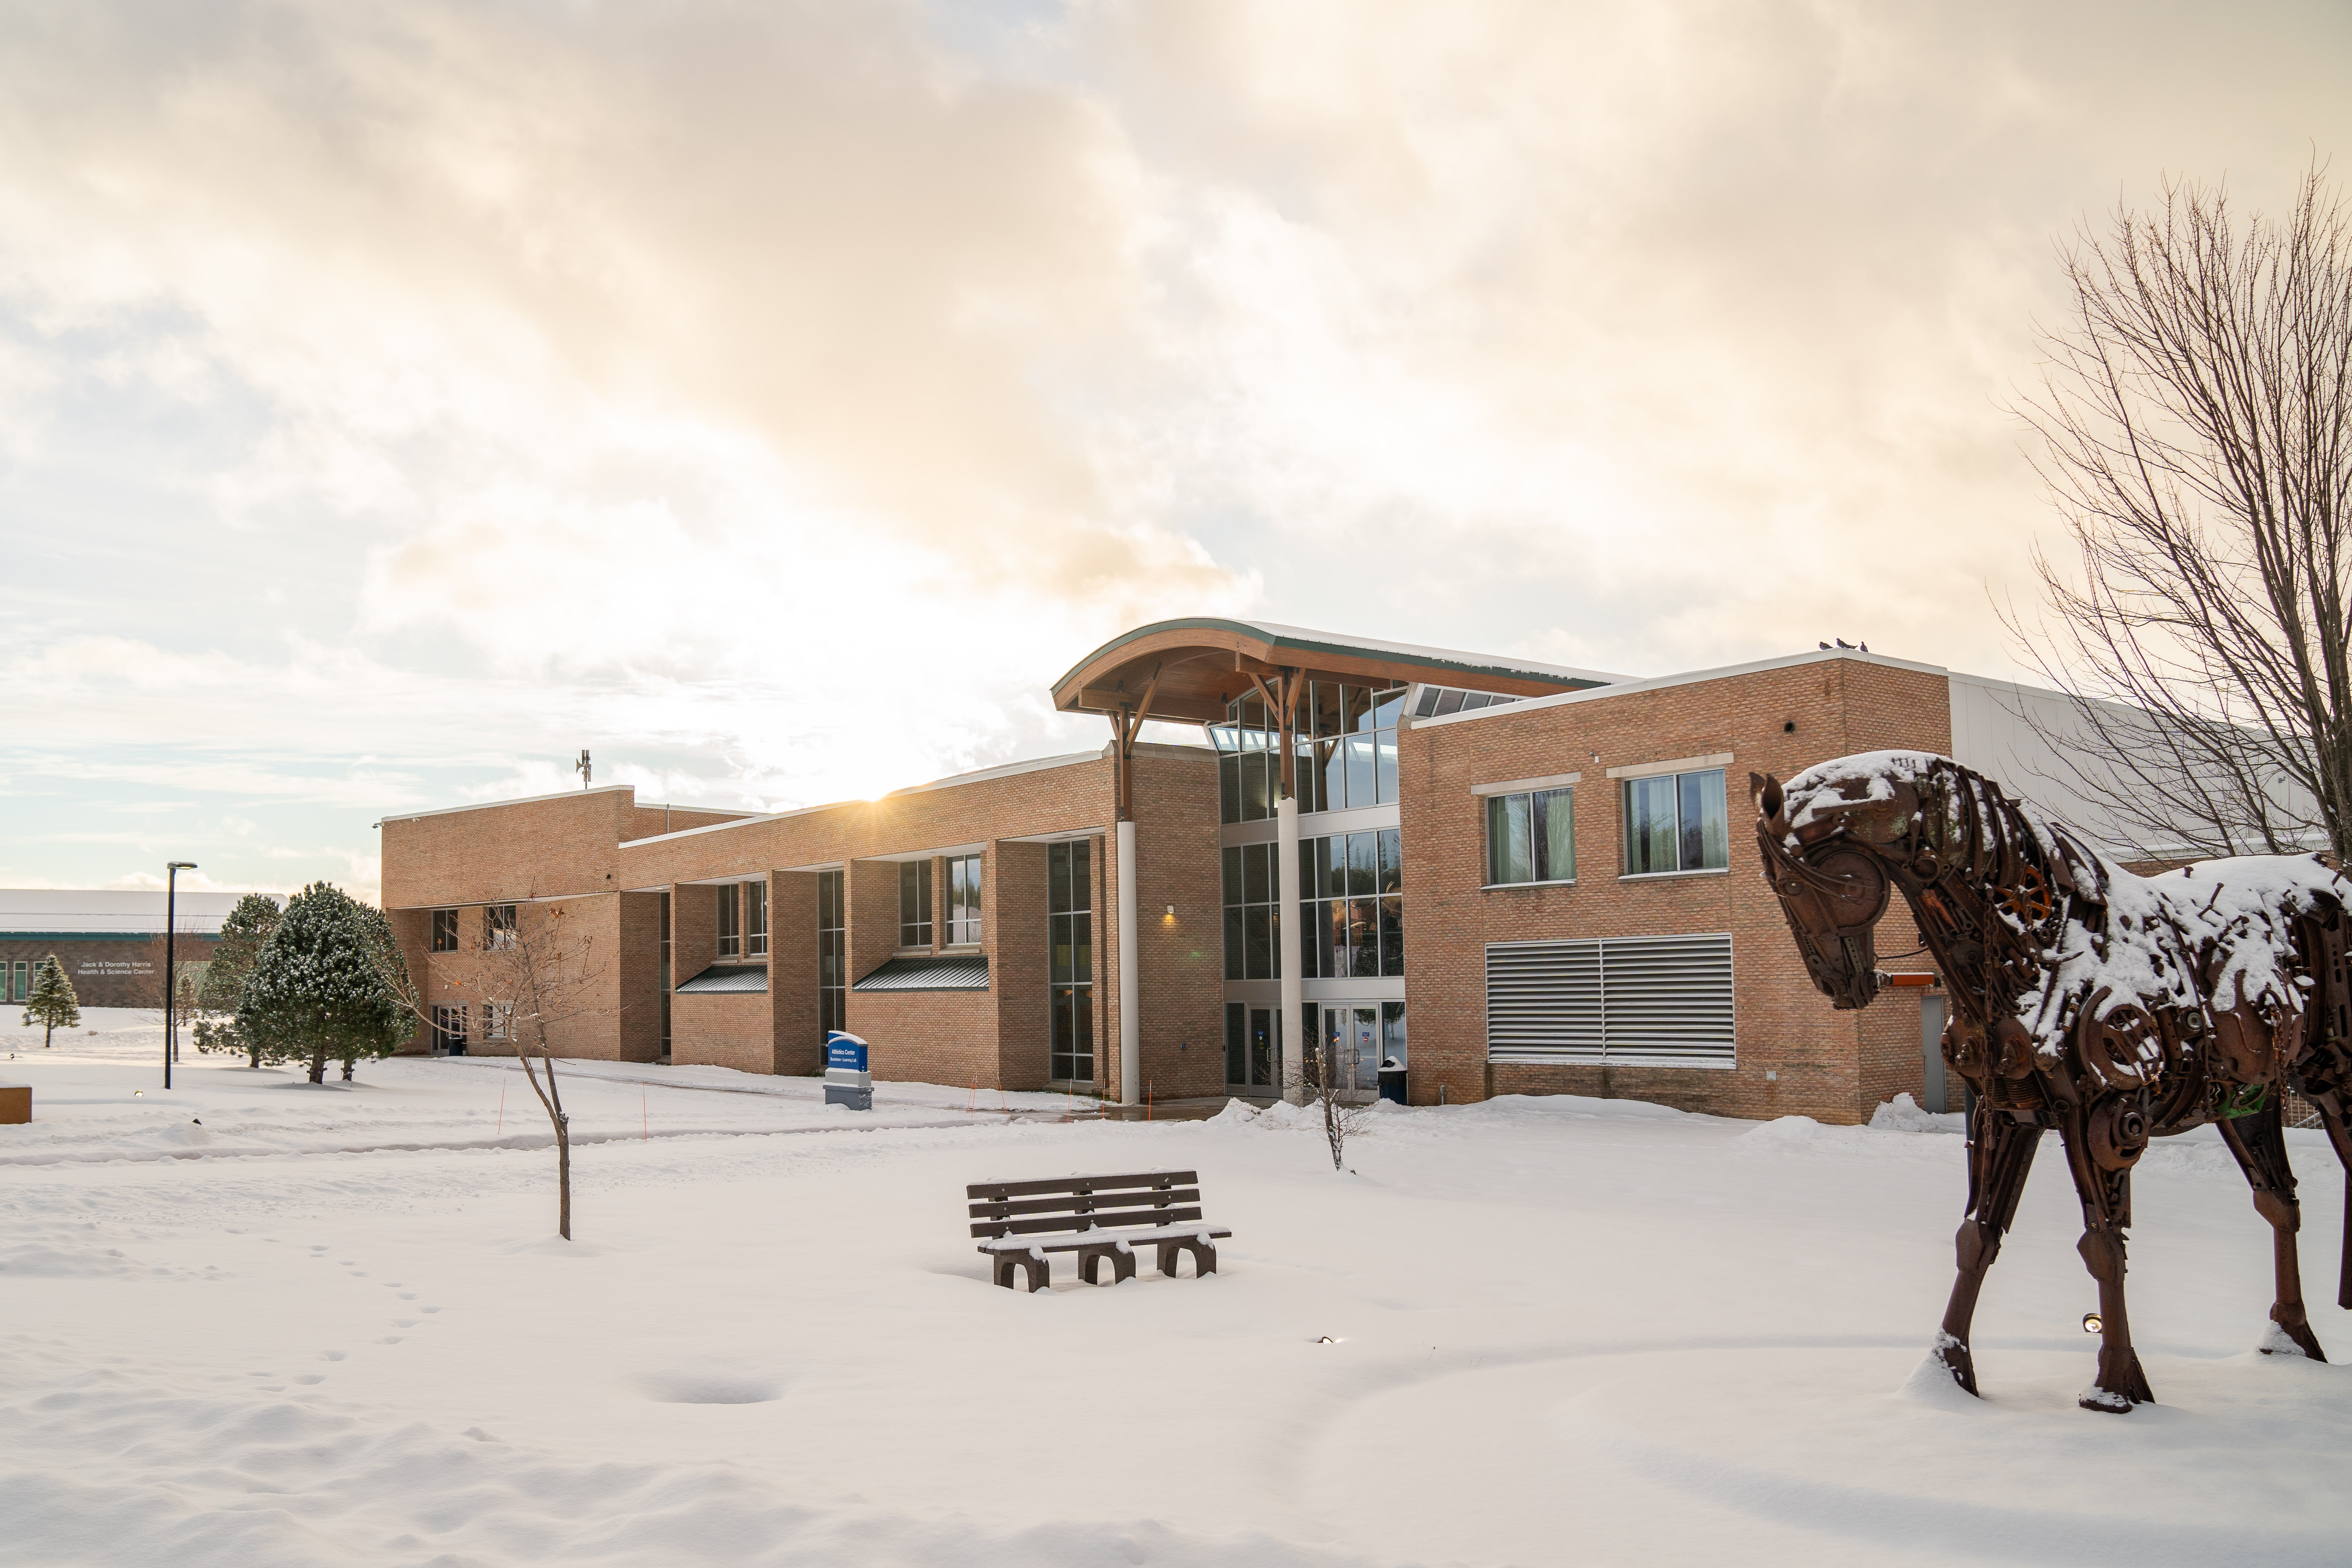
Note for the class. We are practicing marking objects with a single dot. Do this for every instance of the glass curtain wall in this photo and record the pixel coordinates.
(1070, 938)
(1347, 751)
(1252, 923)
(832, 955)
(1354, 914)
(914, 904)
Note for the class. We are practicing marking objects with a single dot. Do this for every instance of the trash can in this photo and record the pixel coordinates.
(1393, 1082)
(846, 1082)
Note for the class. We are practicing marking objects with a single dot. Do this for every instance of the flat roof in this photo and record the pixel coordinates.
(1686, 678)
(106, 911)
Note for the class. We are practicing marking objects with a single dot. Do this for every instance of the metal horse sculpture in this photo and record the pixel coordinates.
(2114, 1007)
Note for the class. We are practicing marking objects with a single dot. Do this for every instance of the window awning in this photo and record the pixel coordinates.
(946, 971)
(728, 977)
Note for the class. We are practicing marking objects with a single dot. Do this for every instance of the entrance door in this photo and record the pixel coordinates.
(1252, 1055)
(1931, 1053)
(1351, 1044)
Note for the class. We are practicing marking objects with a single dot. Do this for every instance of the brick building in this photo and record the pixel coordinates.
(1510, 878)
(109, 942)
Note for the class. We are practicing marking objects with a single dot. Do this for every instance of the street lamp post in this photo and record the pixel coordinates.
(171, 870)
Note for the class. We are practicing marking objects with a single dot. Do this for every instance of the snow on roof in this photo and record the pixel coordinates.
(99, 911)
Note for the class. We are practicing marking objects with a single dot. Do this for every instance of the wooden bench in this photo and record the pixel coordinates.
(1097, 1217)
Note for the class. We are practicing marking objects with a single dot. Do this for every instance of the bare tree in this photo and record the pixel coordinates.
(2195, 425)
(1328, 1090)
(537, 974)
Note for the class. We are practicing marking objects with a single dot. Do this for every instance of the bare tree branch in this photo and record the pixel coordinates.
(2195, 426)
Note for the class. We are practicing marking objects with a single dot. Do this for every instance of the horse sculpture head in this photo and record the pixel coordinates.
(1827, 837)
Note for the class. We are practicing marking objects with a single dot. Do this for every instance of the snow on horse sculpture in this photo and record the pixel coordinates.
(2114, 1007)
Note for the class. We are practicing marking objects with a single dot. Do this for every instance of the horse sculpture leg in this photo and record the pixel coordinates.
(2258, 1141)
(2001, 1154)
(2331, 1115)
(2107, 1213)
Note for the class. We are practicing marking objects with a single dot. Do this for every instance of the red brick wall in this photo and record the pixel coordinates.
(1823, 1064)
(792, 972)
(1014, 900)
(927, 1036)
(724, 1030)
(494, 854)
(1181, 978)
(641, 987)
(693, 935)
(587, 942)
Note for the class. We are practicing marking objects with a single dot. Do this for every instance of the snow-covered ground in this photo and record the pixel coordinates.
(255, 1322)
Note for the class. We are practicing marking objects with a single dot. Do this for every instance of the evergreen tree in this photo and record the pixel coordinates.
(381, 951)
(52, 1003)
(242, 937)
(316, 991)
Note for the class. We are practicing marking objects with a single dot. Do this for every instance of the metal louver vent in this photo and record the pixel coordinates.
(1643, 1001)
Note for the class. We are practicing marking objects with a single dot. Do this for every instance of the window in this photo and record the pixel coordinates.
(1675, 822)
(1649, 1001)
(963, 900)
(449, 1030)
(1531, 837)
(445, 930)
(755, 919)
(1345, 738)
(915, 903)
(1352, 905)
(1070, 939)
(498, 927)
(832, 955)
(730, 922)
(667, 981)
(1252, 922)
(497, 1020)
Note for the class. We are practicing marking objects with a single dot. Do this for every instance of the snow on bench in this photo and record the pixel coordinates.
(1097, 1217)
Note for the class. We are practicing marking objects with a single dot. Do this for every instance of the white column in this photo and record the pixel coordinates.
(1130, 984)
(1293, 990)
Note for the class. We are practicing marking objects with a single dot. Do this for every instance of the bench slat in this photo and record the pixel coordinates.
(1132, 1237)
(1112, 1225)
(1104, 1202)
(1076, 1185)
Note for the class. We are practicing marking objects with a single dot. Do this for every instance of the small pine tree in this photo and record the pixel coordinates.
(315, 991)
(242, 937)
(52, 1003)
(381, 951)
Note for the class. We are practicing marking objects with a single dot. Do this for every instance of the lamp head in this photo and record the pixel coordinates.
(179, 865)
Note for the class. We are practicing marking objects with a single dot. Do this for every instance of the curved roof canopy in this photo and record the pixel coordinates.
(1193, 666)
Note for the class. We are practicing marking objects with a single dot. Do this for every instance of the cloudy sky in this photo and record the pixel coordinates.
(776, 397)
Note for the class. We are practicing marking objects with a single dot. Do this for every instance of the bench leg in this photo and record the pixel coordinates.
(1205, 1257)
(1122, 1264)
(1040, 1276)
